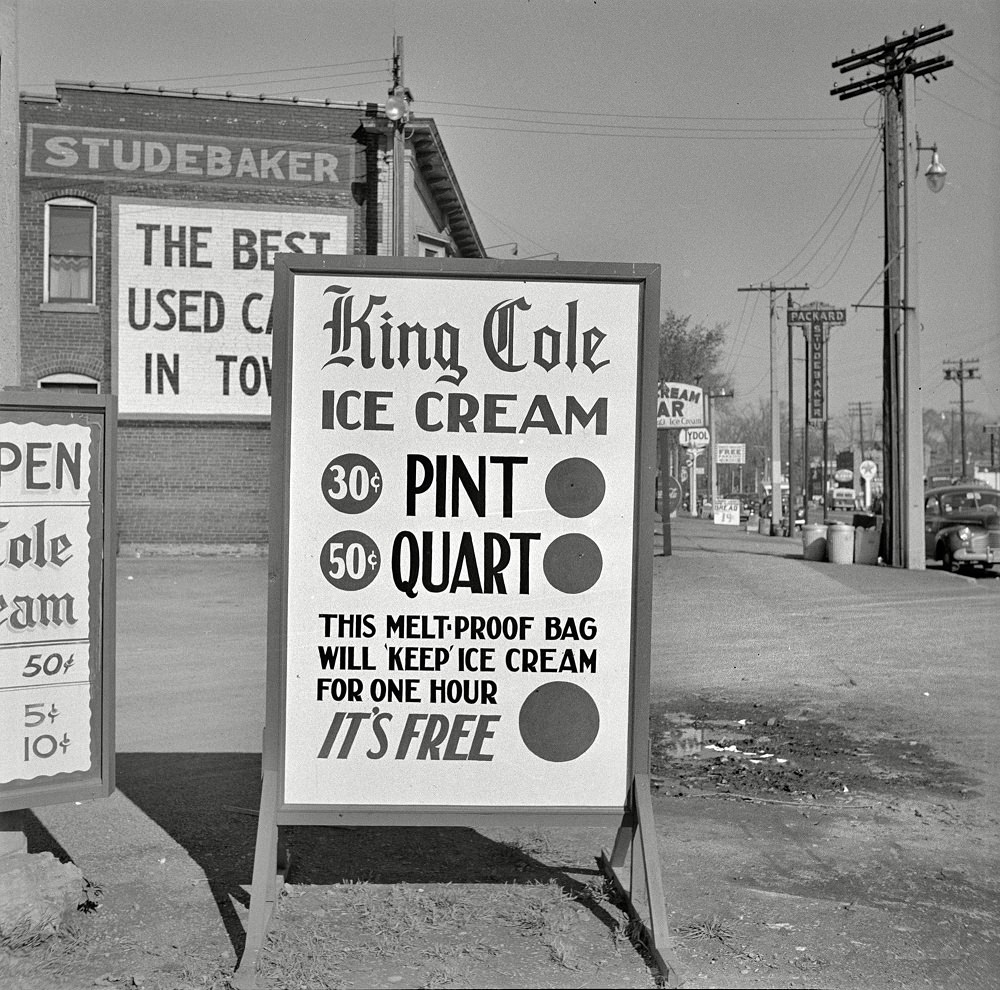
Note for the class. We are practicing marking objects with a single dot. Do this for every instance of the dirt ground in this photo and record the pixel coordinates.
(809, 834)
(796, 854)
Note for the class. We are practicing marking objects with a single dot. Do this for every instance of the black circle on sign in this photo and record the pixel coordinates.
(351, 483)
(572, 563)
(559, 721)
(575, 487)
(350, 560)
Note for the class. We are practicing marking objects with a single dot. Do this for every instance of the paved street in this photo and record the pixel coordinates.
(916, 651)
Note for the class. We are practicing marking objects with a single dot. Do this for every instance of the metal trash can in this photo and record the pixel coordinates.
(814, 541)
(753, 522)
(840, 543)
(866, 544)
(764, 526)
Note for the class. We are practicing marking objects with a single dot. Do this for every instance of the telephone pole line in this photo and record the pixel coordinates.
(772, 290)
(960, 371)
(993, 429)
(902, 415)
(860, 408)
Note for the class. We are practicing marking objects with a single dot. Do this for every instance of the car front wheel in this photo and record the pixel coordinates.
(947, 560)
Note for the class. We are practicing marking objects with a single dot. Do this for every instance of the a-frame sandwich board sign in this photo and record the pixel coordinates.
(462, 474)
(58, 547)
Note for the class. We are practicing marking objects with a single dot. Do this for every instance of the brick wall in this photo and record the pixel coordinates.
(181, 482)
(192, 483)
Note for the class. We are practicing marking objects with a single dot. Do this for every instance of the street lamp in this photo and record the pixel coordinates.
(936, 172)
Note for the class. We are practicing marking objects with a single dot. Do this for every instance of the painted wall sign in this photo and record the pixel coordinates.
(679, 405)
(56, 599)
(464, 503)
(192, 297)
(112, 153)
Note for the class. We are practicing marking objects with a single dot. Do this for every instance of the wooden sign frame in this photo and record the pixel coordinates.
(300, 283)
(35, 669)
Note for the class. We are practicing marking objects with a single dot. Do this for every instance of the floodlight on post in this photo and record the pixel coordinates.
(397, 107)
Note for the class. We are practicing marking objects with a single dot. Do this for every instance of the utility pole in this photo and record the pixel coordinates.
(397, 109)
(791, 431)
(713, 475)
(860, 408)
(772, 290)
(993, 429)
(961, 374)
(10, 200)
(902, 415)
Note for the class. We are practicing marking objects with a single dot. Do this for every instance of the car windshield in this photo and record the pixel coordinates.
(970, 500)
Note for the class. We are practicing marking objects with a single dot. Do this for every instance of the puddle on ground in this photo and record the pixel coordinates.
(732, 747)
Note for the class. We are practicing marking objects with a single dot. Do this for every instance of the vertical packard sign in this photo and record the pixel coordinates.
(817, 371)
(814, 321)
(461, 487)
(56, 597)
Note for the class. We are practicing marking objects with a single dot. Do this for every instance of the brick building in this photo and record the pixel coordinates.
(149, 222)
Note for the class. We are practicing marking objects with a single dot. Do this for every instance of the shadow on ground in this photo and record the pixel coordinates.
(207, 803)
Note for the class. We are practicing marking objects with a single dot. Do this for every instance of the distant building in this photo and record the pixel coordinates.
(149, 223)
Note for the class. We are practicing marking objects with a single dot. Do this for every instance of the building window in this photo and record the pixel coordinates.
(69, 382)
(69, 251)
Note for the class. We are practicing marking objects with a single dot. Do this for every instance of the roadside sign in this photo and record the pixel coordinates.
(57, 616)
(731, 453)
(699, 437)
(672, 494)
(868, 470)
(679, 405)
(817, 315)
(726, 511)
(458, 623)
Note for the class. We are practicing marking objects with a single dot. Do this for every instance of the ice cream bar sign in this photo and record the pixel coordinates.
(458, 449)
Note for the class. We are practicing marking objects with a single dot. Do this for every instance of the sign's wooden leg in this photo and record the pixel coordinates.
(638, 835)
(269, 867)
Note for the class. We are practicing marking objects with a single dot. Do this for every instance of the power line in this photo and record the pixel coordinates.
(854, 191)
(974, 64)
(601, 113)
(673, 135)
(263, 72)
(865, 210)
(971, 116)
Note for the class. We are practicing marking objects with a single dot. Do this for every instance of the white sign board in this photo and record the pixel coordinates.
(731, 453)
(694, 438)
(56, 598)
(679, 405)
(726, 511)
(461, 504)
(192, 294)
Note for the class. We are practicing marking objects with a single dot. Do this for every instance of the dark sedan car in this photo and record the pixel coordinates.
(962, 525)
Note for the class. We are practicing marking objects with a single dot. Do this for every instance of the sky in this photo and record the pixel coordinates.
(700, 135)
